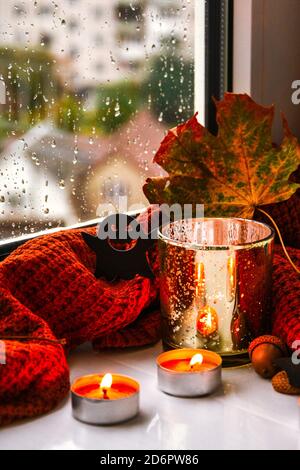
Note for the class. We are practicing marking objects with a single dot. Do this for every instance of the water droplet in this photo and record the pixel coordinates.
(160, 117)
(76, 150)
(46, 210)
(62, 184)
(117, 110)
(91, 140)
(2, 199)
(53, 144)
(25, 147)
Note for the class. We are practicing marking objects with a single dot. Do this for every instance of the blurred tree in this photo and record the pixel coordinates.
(116, 104)
(69, 113)
(31, 84)
(170, 88)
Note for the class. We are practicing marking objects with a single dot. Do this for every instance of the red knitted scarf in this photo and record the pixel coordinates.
(48, 290)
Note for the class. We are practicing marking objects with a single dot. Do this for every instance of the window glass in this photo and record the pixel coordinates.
(90, 90)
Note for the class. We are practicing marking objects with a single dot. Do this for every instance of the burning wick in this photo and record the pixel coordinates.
(196, 360)
(105, 385)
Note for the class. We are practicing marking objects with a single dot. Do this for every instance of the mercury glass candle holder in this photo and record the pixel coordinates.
(215, 284)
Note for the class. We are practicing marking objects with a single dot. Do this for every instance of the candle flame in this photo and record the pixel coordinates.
(106, 382)
(231, 264)
(231, 283)
(209, 319)
(231, 270)
(200, 273)
(207, 322)
(200, 279)
(197, 359)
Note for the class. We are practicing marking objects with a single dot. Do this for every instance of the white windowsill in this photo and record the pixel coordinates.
(246, 414)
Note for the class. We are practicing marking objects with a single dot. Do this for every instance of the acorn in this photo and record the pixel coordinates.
(263, 352)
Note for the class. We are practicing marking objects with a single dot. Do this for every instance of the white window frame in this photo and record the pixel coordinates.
(266, 56)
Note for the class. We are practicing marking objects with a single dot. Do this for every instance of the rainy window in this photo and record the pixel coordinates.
(90, 90)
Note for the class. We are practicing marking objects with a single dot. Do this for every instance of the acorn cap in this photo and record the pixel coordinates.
(269, 339)
(281, 384)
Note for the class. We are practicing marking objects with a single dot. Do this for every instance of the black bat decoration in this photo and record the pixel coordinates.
(112, 261)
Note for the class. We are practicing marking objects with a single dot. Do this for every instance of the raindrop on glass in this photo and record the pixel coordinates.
(62, 184)
(117, 110)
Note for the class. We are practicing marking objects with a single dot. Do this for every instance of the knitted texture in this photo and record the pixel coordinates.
(269, 340)
(286, 282)
(286, 297)
(48, 290)
(287, 216)
(281, 384)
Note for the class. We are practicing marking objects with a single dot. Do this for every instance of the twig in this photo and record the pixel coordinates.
(281, 240)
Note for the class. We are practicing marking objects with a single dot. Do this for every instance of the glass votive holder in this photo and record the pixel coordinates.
(215, 281)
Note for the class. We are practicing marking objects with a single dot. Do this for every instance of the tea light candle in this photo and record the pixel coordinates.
(189, 372)
(105, 399)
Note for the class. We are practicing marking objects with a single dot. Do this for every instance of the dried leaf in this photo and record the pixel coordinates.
(231, 173)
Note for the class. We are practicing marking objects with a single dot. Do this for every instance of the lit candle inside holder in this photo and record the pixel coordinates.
(189, 372)
(105, 399)
(207, 324)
